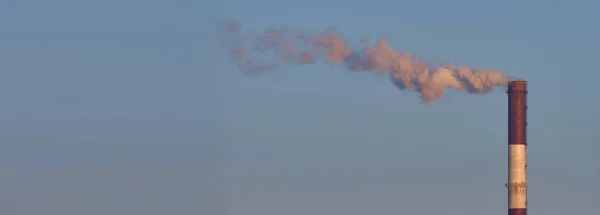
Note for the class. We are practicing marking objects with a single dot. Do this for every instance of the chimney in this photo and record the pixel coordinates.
(517, 148)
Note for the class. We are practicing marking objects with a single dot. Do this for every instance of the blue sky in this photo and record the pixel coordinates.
(132, 107)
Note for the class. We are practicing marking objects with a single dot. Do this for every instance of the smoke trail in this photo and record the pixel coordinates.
(296, 46)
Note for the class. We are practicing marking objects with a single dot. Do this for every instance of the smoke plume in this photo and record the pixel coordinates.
(295, 46)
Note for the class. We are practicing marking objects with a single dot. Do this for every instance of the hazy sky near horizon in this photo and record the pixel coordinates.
(132, 107)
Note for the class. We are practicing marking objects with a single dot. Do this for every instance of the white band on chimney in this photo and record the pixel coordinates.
(517, 176)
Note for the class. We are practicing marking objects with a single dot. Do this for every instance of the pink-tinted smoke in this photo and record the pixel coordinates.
(296, 46)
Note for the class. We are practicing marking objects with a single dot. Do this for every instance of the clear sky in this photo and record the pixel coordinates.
(131, 107)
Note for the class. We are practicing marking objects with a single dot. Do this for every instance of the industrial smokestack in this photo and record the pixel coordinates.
(517, 148)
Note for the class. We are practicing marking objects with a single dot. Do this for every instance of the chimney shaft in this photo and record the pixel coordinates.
(517, 148)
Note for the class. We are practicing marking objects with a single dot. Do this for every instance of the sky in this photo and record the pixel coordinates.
(133, 107)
